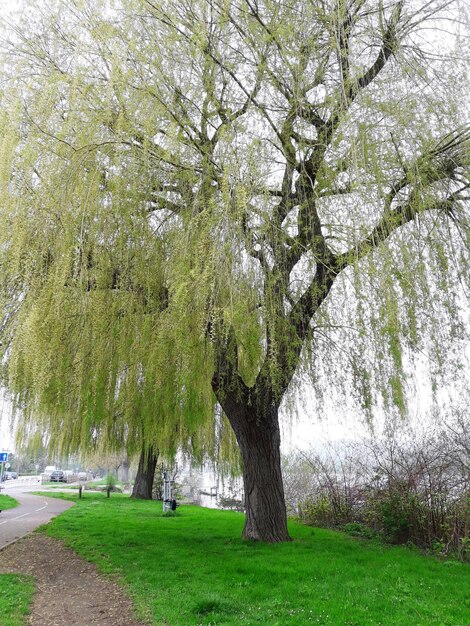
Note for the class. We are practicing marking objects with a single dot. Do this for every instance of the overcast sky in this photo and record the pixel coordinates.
(8, 5)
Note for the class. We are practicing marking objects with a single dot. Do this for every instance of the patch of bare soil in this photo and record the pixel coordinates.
(69, 590)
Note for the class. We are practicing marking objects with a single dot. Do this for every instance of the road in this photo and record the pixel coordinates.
(31, 512)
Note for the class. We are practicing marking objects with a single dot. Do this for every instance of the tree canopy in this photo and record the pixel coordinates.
(201, 200)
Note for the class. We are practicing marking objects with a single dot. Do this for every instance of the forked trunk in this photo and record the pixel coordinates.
(259, 441)
(145, 474)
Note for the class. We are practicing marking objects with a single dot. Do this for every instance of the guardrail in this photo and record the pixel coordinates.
(21, 480)
(28, 479)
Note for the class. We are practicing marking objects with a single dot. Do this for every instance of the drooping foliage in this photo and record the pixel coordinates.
(211, 197)
(88, 355)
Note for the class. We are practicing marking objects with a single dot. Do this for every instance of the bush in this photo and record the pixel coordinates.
(319, 512)
(356, 529)
(110, 486)
(392, 512)
(111, 481)
(413, 489)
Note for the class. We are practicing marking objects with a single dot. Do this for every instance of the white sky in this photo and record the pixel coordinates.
(7, 5)
(6, 442)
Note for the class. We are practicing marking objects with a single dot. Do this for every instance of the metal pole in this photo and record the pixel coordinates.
(1, 473)
(166, 491)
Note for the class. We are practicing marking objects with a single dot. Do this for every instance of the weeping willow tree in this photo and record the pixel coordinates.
(84, 296)
(202, 201)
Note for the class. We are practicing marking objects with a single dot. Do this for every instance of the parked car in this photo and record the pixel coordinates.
(82, 476)
(58, 476)
(46, 474)
(13, 475)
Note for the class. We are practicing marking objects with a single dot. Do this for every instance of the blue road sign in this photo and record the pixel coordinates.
(3, 457)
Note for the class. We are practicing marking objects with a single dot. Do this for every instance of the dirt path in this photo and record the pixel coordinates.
(69, 590)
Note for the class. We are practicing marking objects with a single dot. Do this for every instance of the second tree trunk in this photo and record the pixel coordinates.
(143, 484)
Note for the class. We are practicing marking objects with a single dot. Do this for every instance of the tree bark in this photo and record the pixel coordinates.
(145, 474)
(258, 436)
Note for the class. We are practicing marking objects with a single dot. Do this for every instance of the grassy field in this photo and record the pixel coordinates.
(15, 598)
(15, 591)
(6, 502)
(193, 568)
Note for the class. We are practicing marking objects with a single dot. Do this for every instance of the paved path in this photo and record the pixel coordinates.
(31, 513)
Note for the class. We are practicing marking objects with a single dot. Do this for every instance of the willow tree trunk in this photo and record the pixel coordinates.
(143, 484)
(259, 439)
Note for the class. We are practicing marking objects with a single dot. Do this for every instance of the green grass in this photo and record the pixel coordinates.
(54, 485)
(15, 598)
(6, 502)
(97, 484)
(15, 591)
(193, 568)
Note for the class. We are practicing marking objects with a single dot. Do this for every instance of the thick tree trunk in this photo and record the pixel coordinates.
(145, 474)
(253, 415)
(259, 441)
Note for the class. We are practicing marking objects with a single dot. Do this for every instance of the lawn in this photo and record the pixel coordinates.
(193, 568)
(15, 598)
(6, 502)
(15, 591)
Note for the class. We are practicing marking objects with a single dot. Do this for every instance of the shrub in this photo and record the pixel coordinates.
(413, 489)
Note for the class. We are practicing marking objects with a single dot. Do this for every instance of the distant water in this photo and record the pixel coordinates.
(210, 502)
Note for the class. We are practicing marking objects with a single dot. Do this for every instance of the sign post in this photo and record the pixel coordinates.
(169, 503)
(3, 460)
(166, 491)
